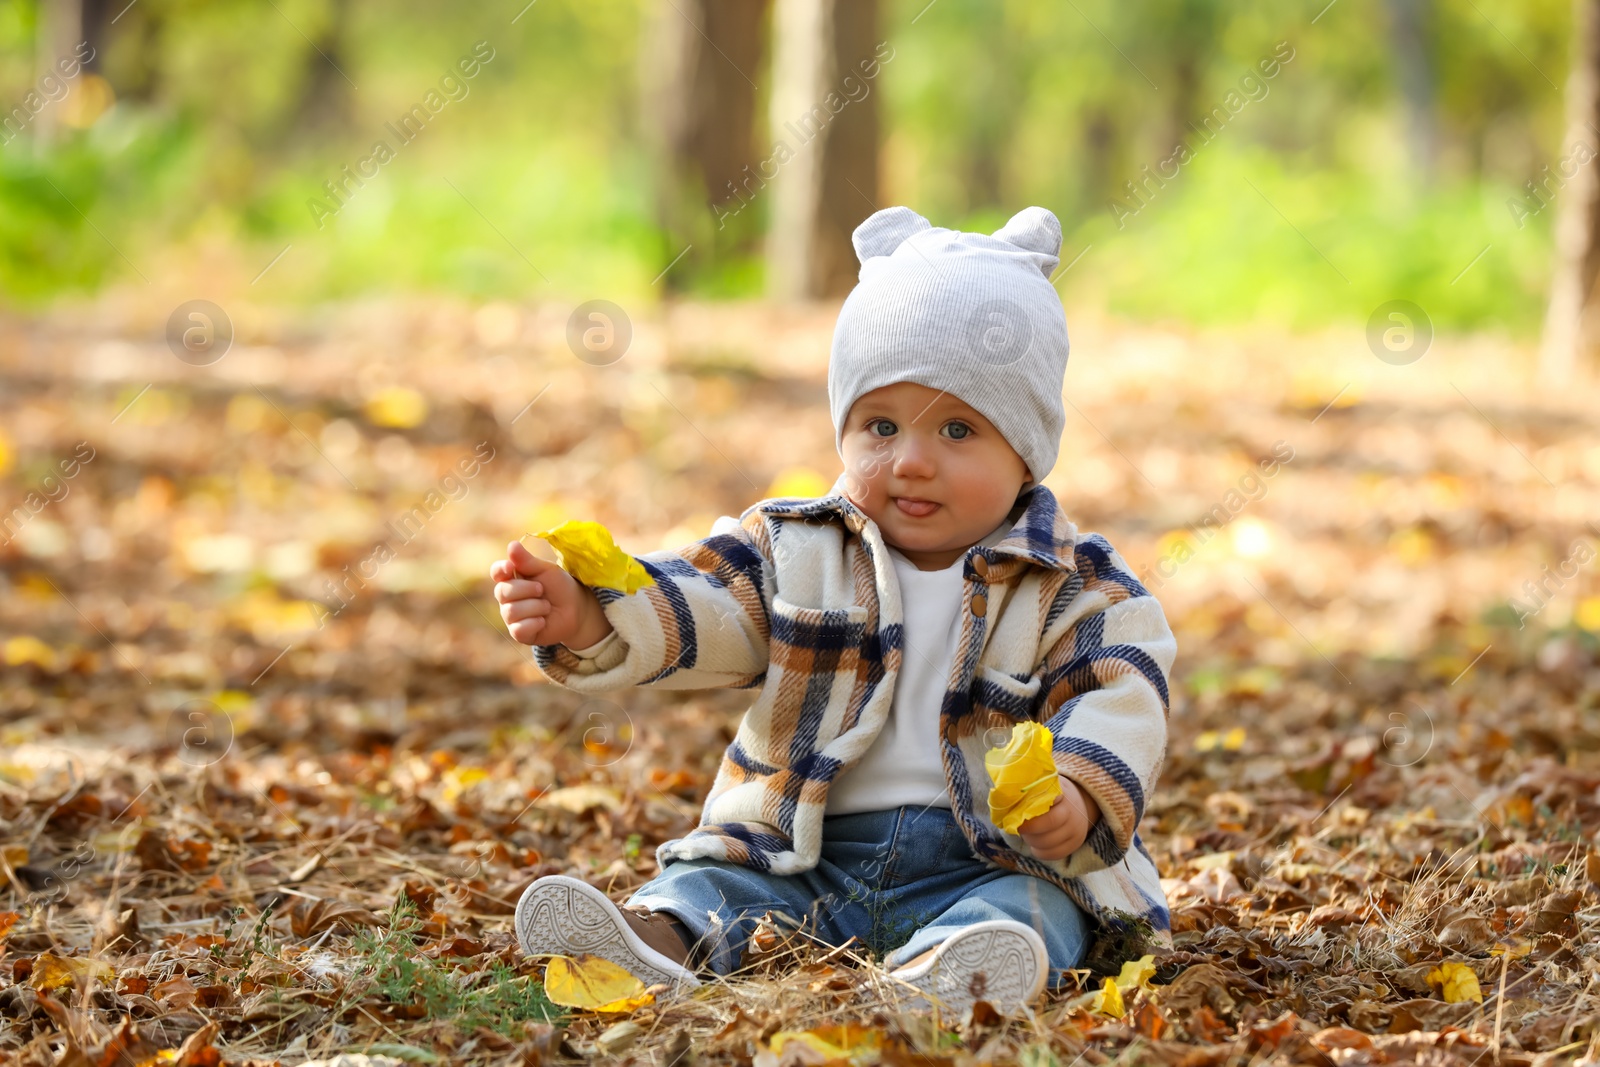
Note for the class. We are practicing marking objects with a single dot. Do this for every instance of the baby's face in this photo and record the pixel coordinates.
(935, 475)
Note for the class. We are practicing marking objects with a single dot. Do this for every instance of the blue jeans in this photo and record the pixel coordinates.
(900, 880)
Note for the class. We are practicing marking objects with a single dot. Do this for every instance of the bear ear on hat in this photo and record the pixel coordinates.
(1037, 230)
(883, 231)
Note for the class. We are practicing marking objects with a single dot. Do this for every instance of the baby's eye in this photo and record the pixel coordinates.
(958, 430)
(882, 428)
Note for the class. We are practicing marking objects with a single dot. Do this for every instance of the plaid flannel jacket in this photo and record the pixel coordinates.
(801, 602)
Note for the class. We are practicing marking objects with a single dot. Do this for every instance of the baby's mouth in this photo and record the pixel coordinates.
(914, 507)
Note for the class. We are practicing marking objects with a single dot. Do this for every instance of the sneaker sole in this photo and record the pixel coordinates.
(998, 960)
(562, 916)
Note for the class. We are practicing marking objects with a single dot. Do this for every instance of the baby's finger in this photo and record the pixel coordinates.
(1054, 852)
(525, 563)
(517, 589)
(501, 571)
(1054, 835)
(527, 631)
(1050, 817)
(518, 610)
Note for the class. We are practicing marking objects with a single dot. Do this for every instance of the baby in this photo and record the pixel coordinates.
(894, 631)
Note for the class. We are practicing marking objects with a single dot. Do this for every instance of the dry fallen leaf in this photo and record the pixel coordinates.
(1456, 983)
(310, 917)
(593, 983)
(578, 799)
(57, 972)
(1024, 774)
(590, 554)
(175, 992)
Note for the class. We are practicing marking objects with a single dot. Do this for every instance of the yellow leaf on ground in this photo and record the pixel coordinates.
(26, 648)
(1136, 974)
(843, 1042)
(590, 554)
(1024, 775)
(8, 919)
(397, 408)
(56, 972)
(1212, 741)
(1456, 983)
(593, 983)
(1516, 949)
(457, 780)
(1109, 1000)
(1587, 614)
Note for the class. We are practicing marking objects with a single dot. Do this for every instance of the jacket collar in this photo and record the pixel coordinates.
(1040, 533)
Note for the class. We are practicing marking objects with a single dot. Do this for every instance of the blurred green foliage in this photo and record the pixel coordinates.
(1317, 201)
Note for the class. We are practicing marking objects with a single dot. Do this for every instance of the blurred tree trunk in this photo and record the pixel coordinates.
(1413, 69)
(991, 129)
(831, 183)
(326, 104)
(60, 29)
(1100, 149)
(701, 61)
(1572, 320)
(139, 30)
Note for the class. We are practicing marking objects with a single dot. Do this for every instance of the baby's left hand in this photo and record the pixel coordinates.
(1062, 830)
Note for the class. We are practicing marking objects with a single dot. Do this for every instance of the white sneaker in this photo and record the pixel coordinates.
(1001, 961)
(562, 916)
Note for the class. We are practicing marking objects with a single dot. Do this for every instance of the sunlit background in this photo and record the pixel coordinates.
(1393, 142)
(296, 313)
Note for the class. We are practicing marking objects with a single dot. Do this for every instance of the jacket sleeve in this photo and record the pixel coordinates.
(702, 625)
(1105, 682)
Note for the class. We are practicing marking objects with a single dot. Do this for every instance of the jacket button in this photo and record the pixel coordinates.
(981, 565)
(980, 605)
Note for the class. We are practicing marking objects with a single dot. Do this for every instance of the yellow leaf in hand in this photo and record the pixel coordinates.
(593, 983)
(1456, 982)
(1024, 775)
(589, 554)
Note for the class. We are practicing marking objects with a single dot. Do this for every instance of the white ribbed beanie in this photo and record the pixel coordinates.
(972, 314)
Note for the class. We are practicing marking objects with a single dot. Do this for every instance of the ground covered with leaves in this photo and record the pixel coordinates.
(272, 775)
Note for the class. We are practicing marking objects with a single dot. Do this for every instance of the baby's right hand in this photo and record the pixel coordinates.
(543, 604)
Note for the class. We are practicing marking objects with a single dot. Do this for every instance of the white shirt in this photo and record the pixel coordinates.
(903, 765)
